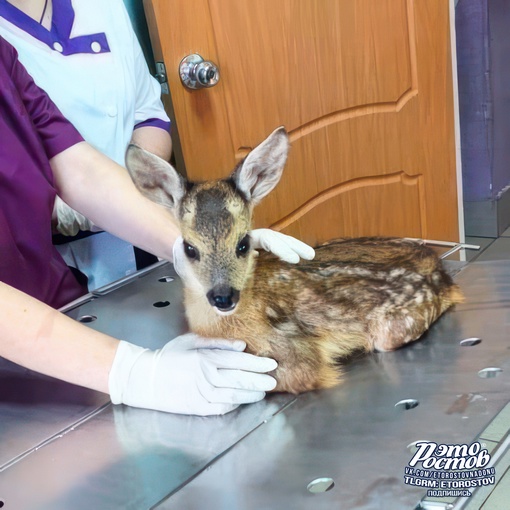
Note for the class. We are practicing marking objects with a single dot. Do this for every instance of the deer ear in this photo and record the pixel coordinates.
(262, 169)
(154, 177)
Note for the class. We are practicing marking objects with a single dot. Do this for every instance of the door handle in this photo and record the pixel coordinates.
(197, 73)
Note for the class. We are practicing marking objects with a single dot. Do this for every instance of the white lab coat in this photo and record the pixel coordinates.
(105, 94)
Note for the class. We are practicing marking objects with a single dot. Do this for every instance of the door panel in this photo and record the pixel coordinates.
(364, 88)
(342, 203)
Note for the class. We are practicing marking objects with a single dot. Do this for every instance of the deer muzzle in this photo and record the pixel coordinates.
(224, 298)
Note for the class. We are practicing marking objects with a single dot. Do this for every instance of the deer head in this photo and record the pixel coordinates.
(215, 258)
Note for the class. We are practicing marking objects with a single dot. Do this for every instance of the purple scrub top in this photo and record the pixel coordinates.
(32, 131)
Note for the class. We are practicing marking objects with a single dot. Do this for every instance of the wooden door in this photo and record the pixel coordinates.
(364, 88)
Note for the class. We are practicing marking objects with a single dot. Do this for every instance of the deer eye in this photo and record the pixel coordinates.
(243, 246)
(190, 251)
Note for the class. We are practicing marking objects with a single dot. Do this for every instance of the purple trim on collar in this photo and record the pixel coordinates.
(162, 124)
(58, 38)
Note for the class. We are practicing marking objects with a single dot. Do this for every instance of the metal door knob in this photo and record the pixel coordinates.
(197, 73)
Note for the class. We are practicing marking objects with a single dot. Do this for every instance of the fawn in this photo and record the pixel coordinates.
(361, 294)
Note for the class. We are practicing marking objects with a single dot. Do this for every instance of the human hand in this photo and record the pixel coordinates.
(286, 248)
(190, 375)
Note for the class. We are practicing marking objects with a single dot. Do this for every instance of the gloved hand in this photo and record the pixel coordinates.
(189, 375)
(70, 222)
(286, 248)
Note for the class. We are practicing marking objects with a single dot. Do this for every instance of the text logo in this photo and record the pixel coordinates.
(449, 469)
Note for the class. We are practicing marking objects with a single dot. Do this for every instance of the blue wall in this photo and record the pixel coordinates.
(483, 49)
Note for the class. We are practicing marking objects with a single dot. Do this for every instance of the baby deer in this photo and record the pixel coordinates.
(356, 295)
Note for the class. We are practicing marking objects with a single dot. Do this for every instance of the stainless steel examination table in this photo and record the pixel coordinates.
(64, 447)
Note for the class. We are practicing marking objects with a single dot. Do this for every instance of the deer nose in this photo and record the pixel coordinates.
(223, 297)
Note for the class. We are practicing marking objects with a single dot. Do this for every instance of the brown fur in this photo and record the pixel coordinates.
(357, 295)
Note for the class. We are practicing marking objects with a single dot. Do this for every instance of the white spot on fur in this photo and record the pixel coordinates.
(271, 313)
(288, 327)
(409, 321)
(419, 299)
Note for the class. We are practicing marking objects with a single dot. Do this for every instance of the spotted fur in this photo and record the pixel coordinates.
(356, 296)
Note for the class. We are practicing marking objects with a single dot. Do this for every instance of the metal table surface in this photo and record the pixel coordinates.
(65, 447)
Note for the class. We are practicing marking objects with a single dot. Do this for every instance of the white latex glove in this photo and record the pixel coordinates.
(286, 248)
(189, 375)
(71, 221)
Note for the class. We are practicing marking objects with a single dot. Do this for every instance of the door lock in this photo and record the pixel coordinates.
(197, 73)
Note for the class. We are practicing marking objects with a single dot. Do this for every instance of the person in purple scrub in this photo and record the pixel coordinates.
(85, 55)
(42, 154)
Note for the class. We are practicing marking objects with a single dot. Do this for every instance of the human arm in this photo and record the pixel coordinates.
(153, 139)
(40, 338)
(190, 375)
(101, 190)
